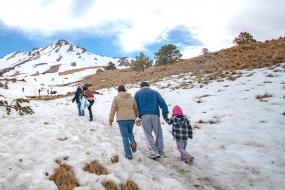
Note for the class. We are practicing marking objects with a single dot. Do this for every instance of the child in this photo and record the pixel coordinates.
(181, 131)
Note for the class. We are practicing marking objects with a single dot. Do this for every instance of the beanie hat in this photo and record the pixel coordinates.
(177, 111)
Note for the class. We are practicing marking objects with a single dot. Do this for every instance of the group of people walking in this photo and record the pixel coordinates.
(145, 107)
(84, 98)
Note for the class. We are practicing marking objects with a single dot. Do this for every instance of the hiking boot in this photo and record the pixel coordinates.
(154, 156)
(134, 147)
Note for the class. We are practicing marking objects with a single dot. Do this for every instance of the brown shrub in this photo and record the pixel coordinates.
(262, 97)
(64, 178)
(130, 185)
(95, 167)
(114, 159)
(109, 185)
(68, 72)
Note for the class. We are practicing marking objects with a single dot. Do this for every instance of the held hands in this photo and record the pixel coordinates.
(165, 116)
(138, 122)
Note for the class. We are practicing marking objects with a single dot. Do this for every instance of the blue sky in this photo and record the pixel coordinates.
(127, 27)
(13, 40)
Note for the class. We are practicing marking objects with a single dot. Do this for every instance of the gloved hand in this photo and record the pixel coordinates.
(191, 137)
(73, 100)
(165, 116)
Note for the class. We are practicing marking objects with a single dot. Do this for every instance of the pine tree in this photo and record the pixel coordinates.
(141, 62)
(17, 106)
(168, 54)
(244, 38)
(205, 51)
(110, 66)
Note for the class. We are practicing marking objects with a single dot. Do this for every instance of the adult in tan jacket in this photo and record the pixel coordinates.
(125, 108)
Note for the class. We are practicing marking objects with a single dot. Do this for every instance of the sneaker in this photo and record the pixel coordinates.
(190, 161)
(134, 147)
(162, 154)
(154, 156)
(129, 157)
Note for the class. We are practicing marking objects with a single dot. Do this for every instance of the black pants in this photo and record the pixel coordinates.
(89, 109)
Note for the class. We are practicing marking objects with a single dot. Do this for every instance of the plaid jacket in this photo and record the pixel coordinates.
(181, 127)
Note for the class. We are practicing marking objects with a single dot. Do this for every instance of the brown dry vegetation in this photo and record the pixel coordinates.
(64, 178)
(110, 185)
(77, 70)
(262, 97)
(212, 65)
(50, 97)
(95, 167)
(52, 69)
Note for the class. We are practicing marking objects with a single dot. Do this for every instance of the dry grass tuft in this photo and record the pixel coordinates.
(109, 185)
(114, 159)
(209, 121)
(130, 185)
(196, 126)
(64, 178)
(262, 97)
(270, 75)
(95, 167)
(267, 81)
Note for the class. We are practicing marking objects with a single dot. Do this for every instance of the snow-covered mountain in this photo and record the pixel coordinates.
(57, 59)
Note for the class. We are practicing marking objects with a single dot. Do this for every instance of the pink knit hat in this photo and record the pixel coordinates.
(177, 111)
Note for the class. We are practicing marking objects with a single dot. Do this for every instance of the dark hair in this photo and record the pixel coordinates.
(122, 88)
(144, 83)
(85, 88)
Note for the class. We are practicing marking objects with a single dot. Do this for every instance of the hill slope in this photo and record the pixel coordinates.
(220, 64)
(238, 138)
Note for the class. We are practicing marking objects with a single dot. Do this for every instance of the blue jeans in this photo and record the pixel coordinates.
(126, 129)
(80, 112)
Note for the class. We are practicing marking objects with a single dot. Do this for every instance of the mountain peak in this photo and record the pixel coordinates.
(61, 42)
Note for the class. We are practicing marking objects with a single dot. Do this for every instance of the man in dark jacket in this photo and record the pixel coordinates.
(77, 98)
(148, 102)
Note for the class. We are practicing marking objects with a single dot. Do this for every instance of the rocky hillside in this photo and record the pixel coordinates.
(215, 65)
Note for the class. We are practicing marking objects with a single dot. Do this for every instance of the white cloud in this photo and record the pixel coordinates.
(139, 23)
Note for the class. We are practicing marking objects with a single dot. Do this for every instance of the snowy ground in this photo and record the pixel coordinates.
(243, 150)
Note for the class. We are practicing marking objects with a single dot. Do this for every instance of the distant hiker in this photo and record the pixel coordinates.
(39, 91)
(148, 102)
(53, 92)
(48, 92)
(89, 95)
(77, 98)
(23, 89)
(125, 108)
(181, 131)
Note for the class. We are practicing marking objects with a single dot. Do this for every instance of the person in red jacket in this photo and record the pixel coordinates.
(89, 95)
